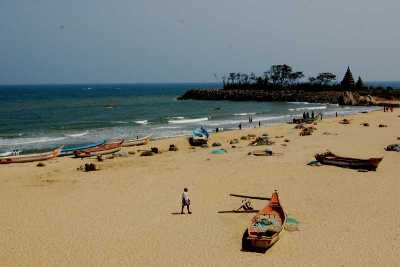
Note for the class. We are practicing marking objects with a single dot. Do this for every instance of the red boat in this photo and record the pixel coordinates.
(107, 148)
(265, 227)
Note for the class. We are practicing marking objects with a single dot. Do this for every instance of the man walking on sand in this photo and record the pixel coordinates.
(185, 201)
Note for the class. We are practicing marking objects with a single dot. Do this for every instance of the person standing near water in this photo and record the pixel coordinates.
(185, 201)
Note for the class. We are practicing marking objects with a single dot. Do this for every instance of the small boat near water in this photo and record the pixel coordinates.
(329, 158)
(69, 151)
(265, 227)
(136, 142)
(30, 157)
(109, 147)
(199, 137)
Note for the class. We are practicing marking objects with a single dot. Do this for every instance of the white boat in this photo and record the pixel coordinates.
(136, 141)
(30, 157)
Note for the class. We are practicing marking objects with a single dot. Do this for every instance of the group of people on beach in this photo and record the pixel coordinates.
(387, 108)
(307, 116)
(240, 126)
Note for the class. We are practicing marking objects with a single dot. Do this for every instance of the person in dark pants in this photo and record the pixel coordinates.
(185, 201)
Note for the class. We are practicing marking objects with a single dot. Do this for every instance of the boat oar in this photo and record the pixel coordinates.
(250, 197)
(238, 211)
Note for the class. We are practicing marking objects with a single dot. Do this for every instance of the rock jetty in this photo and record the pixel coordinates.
(290, 95)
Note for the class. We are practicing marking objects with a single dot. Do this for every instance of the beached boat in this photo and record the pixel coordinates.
(104, 149)
(69, 151)
(265, 227)
(199, 137)
(31, 157)
(329, 158)
(136, 142)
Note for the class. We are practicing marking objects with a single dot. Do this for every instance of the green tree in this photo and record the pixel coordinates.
(325, 78)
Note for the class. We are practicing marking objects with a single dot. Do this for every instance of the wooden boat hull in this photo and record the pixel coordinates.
(31, 157)
(70, 151)
(197, 141)
(329, 158)
(265, 239)
(104, 149)
(136, 142)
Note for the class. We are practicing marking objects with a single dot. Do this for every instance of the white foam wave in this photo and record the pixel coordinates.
(181, 121)
(244, 114)
(27, 141)
(78, 134)
(307, 108)
(178, 118)
(141, 122)
(299, 103)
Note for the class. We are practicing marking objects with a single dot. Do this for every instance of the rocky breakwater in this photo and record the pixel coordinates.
(334, 97)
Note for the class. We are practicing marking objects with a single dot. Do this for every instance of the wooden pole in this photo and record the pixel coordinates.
(250, 197)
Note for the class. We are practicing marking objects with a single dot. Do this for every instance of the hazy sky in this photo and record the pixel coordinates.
(79, 41)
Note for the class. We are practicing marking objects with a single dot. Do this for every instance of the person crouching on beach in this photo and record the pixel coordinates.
(185, 201)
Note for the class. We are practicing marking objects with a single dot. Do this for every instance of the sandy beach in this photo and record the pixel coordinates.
(124, 214)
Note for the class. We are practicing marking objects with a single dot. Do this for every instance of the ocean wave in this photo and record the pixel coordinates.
(299, 103)
(77, 134)
(244, 114)
(178, 118)
(181, 121)
(121, 122)
(167, 127)
(307, 108)
(28, 141)
(141, 122)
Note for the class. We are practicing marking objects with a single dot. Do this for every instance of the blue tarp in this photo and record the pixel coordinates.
(200, 132)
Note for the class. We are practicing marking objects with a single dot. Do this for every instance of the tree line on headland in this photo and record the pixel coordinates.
(285, 77)
(283, 83)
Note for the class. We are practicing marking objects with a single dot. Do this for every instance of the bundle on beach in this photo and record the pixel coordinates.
(266, 152)
(393, 147)
(261, 141)
(307, 131)
(344, 121)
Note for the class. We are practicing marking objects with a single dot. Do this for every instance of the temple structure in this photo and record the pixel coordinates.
(359, 83)
(348, 80)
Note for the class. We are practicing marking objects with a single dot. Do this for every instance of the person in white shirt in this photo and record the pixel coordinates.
(185, 201)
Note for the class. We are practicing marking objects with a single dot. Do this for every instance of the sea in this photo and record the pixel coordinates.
(41, 117)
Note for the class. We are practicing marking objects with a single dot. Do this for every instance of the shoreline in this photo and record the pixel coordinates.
(44, 146)
(124, 214)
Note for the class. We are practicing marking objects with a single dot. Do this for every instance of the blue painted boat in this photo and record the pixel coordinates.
(201, 132)
(70, 150)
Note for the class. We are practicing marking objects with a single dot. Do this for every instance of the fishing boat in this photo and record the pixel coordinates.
(265, 227)
(199, 137)
(328, 158)
(137, 141)
(31, 157)
(69, 151)
(109, 147)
